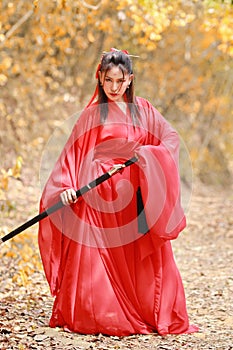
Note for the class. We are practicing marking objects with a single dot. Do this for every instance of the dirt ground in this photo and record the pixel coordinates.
(204, 254)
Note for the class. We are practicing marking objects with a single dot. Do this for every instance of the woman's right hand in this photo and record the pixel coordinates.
(68, 196)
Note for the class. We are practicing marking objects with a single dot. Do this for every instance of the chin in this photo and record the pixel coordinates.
(116, 98)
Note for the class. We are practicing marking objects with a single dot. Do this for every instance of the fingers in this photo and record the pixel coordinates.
(136, 155)
(68, 196)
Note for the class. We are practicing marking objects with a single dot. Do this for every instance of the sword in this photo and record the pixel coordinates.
(114, 170)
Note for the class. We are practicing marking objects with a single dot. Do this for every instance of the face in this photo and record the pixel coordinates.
(115, 83)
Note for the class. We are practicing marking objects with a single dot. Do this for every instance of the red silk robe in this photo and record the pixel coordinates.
(108, 258)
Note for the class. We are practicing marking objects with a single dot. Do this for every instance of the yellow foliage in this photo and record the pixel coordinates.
(90, 37)
(35, 4)
(11, 254)
(16, 170)
(3, 79)
(15, 69)
(4, 180)
(24, 277)
(62, 44)
(155, 37)
(6, 64)
(106, 25)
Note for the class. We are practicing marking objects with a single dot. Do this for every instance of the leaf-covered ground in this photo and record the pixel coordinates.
(204, 254)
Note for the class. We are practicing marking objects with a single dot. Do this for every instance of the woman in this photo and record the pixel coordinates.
(107, 255)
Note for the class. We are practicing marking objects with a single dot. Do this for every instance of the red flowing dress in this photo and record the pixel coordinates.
(108, 257)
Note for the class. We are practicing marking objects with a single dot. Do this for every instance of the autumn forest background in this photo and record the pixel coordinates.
(49, 51)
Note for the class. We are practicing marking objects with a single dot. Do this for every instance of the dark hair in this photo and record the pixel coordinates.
(122, 60)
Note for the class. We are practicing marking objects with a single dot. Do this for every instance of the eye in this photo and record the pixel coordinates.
(107, 79)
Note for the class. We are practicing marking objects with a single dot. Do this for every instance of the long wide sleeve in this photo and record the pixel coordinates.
(64, 175)
(159, 179)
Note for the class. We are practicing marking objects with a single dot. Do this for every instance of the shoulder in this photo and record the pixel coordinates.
(144, 103)
(140, 101)
(148, 106)
(152, 114)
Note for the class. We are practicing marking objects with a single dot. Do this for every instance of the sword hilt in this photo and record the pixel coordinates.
(115, 169)
(118, 167)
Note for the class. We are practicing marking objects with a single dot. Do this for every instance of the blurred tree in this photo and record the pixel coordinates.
(49, 51)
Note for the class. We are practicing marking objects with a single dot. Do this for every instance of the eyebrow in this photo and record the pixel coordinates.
(122, 78)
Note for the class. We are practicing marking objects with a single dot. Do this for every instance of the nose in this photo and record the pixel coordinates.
(114, 86)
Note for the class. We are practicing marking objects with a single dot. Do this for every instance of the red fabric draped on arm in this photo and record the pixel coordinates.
(65, 175)
(160, 181)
